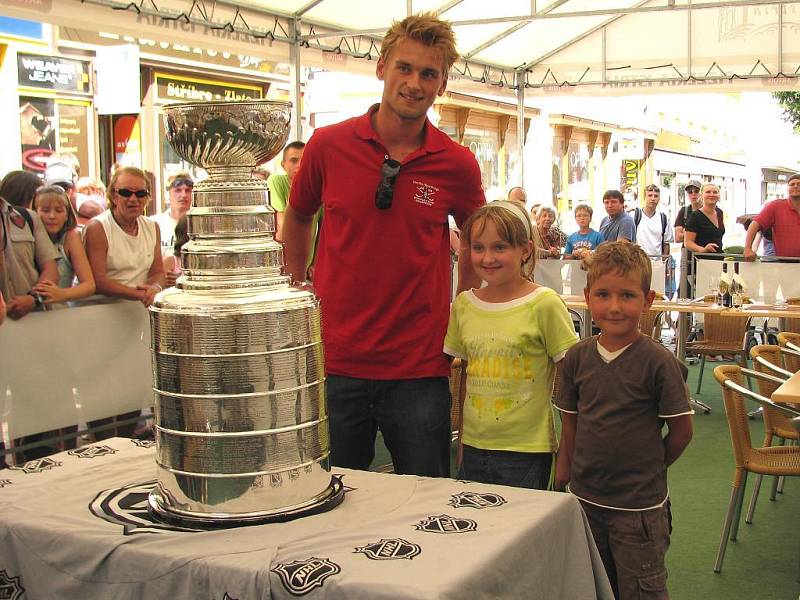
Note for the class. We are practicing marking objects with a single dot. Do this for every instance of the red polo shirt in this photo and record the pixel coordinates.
(383, 276)
(784, 221)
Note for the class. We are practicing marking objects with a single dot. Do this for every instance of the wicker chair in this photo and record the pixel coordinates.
(723, 333)
(458, 390)
(776, 423)
(650, 323)
(790, 341)
(773, 460)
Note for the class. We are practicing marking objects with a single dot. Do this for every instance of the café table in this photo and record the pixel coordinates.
(76, 525)
(788, 392)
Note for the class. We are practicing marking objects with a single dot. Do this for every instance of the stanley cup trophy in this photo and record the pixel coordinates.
(240, 412)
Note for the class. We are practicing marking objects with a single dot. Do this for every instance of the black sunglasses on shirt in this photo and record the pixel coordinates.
(385, 192)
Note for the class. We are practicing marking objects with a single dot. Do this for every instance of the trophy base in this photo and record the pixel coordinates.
(327, 500)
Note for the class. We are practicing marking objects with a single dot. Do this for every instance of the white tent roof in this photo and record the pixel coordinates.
(567, 43)
(550, 45)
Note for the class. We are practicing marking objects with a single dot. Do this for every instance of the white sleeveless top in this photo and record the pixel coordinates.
(129, 256)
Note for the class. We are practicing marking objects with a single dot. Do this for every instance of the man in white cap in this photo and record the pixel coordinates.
(61, 173)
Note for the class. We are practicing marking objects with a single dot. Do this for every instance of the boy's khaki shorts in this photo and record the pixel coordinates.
(633, 545)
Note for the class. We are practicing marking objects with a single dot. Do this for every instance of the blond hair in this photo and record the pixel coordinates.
(112, 184)
(619, 257)
(510, 227)
(425, 28)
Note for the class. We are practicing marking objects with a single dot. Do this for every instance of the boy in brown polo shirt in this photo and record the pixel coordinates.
(618, 389)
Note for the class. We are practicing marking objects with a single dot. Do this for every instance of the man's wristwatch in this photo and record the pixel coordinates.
(37, 299)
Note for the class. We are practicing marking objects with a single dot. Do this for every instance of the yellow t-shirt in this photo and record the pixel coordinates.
(510, 348)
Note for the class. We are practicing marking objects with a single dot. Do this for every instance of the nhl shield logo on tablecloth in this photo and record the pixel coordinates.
(446, 524)
(301, 576)
(393, 549)
(92, 451)
(476, 500)
(10, 587)
(127, 506)
(144, 443)
(37, 466)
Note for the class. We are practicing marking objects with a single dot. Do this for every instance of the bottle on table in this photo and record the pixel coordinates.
(725, 297)
(737, 287)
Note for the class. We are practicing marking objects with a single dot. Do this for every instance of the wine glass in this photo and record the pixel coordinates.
(713, 290)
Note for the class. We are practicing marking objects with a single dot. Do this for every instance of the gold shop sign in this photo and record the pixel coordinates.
(174, 88)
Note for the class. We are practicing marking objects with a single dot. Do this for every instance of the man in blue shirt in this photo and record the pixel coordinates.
(618, 225)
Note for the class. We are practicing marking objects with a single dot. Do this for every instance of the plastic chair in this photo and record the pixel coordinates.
(458, 390)
(773, 460)
(776, 423)
(791, 341)
(723, 334)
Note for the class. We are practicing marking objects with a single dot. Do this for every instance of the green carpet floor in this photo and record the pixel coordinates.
(764, 563)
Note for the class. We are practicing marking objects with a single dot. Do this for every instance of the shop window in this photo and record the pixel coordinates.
(48, 125)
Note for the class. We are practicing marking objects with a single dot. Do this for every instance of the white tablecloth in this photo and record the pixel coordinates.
(75, 525)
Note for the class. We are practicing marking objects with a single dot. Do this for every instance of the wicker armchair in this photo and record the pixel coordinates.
(790, 341)
(458, 390)
(776, 423)
(773, 460)
(723, 333)
(650, 323)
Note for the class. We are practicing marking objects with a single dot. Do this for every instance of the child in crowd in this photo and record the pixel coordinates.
(172, 263)
(511, 333)
(54, 208)
(617, 391)
(585, 240)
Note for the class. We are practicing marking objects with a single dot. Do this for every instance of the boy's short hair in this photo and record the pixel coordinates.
(585, 207)
(614, 194)
(298, 145)
(425, 28)
(619, 257)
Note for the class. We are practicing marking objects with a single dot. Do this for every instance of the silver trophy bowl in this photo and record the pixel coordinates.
(240, 412)
(228, 139)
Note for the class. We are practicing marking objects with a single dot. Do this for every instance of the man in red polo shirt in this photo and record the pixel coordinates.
(387, 182)
(783, 217)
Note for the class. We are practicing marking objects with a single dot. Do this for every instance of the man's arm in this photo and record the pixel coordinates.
(467, 277)
(678, 437)
(297, 240)
(752, 230)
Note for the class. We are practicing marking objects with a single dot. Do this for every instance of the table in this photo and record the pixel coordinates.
(788, 392)
(781, 311)
(74, 525)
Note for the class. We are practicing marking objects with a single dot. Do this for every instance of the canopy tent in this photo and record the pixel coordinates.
(512, 47)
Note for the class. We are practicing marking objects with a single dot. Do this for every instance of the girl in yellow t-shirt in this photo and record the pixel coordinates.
(511, 333)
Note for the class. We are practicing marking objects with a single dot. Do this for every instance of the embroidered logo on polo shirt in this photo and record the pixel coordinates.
(446, 524)
(92, 451)
(424, 193)
(301, 576)
(10, 587)
(37, 466)
(392, 549)
(476, 500)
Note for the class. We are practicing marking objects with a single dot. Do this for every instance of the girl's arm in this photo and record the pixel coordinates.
(80, 263)
(566, 448)
(97, 253)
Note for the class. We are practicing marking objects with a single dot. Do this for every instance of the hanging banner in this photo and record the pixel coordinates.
(118, 82)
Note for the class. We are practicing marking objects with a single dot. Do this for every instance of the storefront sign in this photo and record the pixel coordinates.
(171, 88)
(631, 147)
(53, 73)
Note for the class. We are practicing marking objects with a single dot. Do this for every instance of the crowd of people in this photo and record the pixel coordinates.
(377, 190)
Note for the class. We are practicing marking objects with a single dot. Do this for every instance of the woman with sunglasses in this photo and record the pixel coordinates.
(124, 247)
